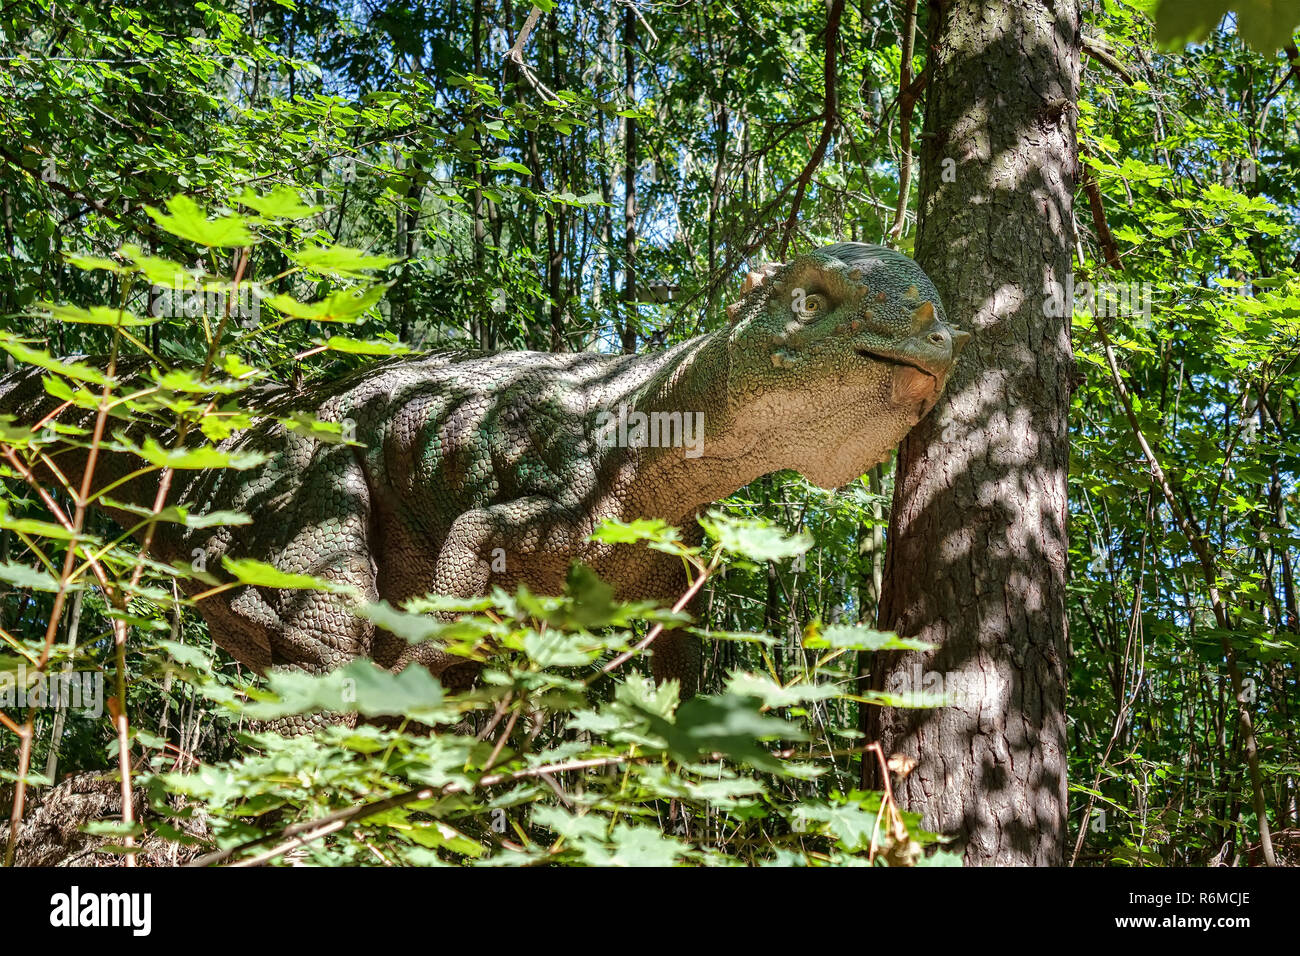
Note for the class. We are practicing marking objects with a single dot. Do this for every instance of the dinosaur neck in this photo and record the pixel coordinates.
(693, 446)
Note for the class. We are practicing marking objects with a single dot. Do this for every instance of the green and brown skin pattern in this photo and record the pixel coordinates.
(826, 364)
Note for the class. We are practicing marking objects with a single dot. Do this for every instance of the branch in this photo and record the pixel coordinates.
(828, 114)
(515, 57)
(1106, 239)
(654, 37)
(1293, 58)
(906, 101)
(1107, 59)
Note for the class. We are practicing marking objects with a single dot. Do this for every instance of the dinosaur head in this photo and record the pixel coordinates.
(839, 353)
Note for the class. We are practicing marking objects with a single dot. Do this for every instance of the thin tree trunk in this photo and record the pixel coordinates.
(61, 715)
(627, 336)
(482, 314)
(871, 544)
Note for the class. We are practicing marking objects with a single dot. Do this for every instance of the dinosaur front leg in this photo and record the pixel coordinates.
(318, 630)
(529, 541)
(675, 655)
(532, 541)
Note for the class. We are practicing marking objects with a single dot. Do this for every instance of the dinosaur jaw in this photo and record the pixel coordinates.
(912, 382)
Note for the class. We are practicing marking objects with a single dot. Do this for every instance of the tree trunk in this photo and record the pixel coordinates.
(976, 559)
(627, 335)
(871, 544)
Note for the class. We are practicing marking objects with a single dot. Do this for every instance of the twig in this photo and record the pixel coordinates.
(828, 117)
(655, 631)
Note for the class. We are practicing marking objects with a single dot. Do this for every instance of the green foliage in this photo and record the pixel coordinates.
(1200, 193)
(1265, 25)
(556, 757)
(240, 198)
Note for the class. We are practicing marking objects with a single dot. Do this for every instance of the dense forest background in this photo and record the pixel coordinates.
(362, 178)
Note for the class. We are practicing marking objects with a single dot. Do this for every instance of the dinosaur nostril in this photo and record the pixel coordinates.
(937, 338)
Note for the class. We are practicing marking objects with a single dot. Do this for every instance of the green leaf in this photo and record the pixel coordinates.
(851, 825)
(727, 724)
(185, 219)
(415, 628)
(163, 272)
(858, 637)
(611, 531)
(95, 315)
(772, 694)
(554, 648)
(198, 458)
(361, 686)
(339, 343)
(180, 514)
(43, 359)
(753, 539)
(282, 202)
(28, 578)
(92, 263)
(340, 260)
(32, 526)
(502, 164)
(249, 571)
(188, 381)
(345, 305)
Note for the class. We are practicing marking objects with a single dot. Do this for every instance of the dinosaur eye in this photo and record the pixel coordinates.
(814, 304)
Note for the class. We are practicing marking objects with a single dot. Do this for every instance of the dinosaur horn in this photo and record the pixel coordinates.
(923, 317)
(755, 279)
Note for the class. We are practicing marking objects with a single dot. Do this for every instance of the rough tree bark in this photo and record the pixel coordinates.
(976, 558)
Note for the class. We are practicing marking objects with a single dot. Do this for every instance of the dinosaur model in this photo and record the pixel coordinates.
(471, 470)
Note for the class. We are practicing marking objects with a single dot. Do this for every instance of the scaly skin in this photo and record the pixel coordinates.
(461, 454)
